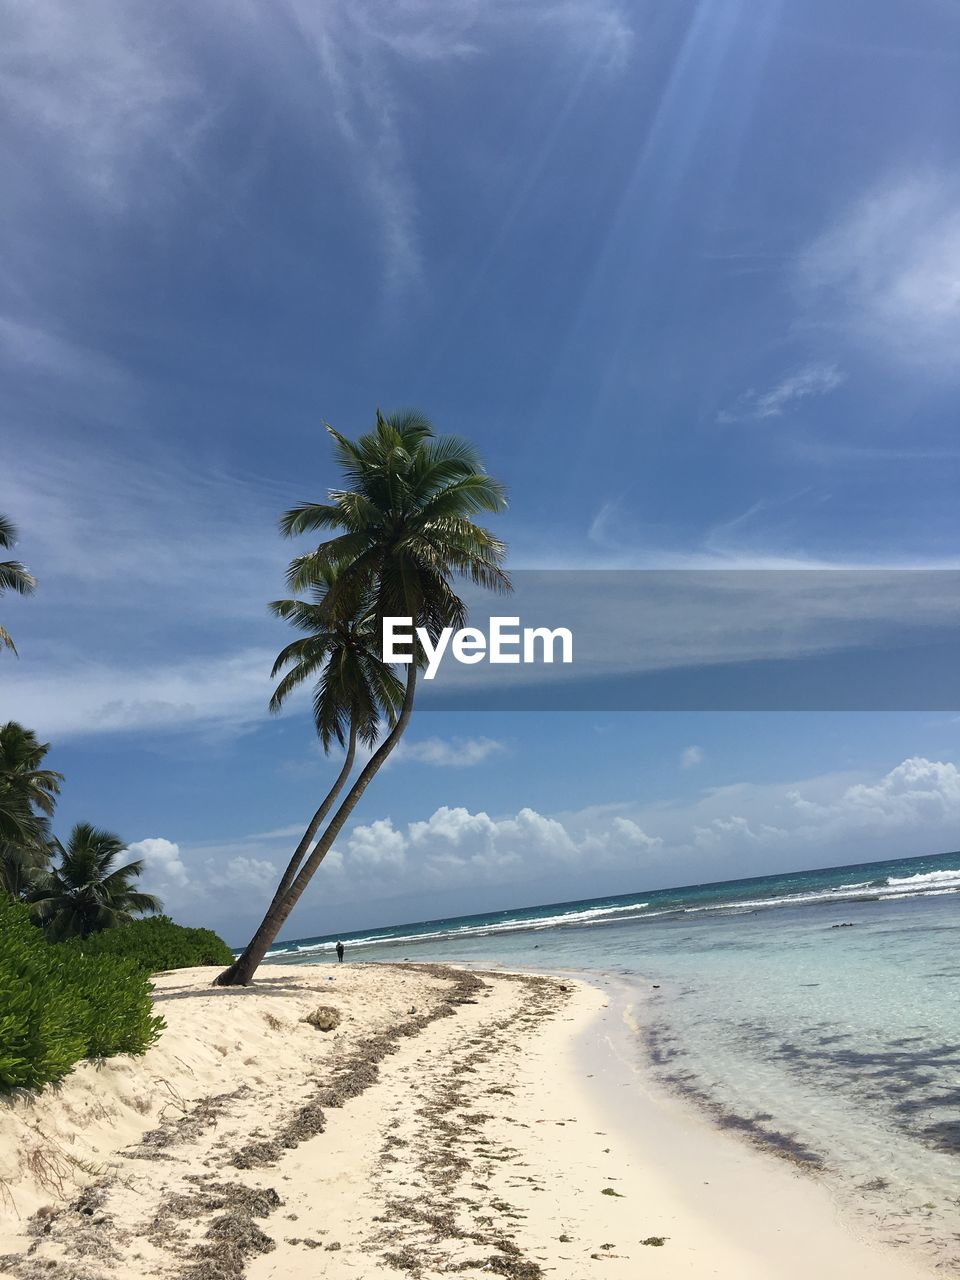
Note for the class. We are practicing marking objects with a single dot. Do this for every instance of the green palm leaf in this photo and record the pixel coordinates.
(13, 575)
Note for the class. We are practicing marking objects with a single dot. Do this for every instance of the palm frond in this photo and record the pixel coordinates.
(15, 577)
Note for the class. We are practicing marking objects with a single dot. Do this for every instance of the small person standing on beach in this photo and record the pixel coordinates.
(340, 953)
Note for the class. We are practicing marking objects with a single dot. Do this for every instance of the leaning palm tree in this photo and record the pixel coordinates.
(404, 531)
(355, 692)
(13, 575)
(28, 792)
(86, 891)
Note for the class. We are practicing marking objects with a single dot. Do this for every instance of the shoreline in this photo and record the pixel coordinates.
(478, 1121)
(765, 1199)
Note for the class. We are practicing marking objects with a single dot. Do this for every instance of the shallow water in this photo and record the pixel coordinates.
(818, 1014)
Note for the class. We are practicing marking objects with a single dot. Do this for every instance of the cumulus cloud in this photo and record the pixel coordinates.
(917, 793)
(811, 380)
(889, 271)
(914, 806)
(162, 860)
(691, 757)
(457, 847)
(528, 856)
(376, 846)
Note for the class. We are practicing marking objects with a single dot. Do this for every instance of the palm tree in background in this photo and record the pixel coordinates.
(28, 795)
(23, 868)
(13, 575)
(404, 530)
(355, 693)
(86, 891)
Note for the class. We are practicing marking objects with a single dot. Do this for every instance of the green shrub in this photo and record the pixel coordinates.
(156, 944)
(57, 1007)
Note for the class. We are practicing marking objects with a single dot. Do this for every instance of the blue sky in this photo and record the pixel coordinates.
(689, 273)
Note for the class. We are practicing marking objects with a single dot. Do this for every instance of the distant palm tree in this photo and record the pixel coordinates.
(23, 869)
(13, 575)
(404, 532)
(85, 891)
(27, 792)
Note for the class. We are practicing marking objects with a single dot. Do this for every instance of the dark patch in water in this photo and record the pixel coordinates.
(910, 1078)
(944, 1136)
(663, 1048)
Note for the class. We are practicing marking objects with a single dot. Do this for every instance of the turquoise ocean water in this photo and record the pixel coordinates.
(817, 1013)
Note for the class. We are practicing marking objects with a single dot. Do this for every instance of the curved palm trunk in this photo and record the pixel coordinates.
(241, 971)
(300, 852)
(226, 979)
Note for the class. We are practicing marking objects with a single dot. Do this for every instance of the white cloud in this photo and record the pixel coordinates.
(811, 380)
(104, 90)
(737, 830)
(913, 807)
(247, 873)
(691, 757)
(360, 46)
(915, 794)
(456, 847)
(115, 102)
(889, 271)
(92, 698)
(162, 861)
(377, 846)
(159, 580)
(44, 353)
(452, 753)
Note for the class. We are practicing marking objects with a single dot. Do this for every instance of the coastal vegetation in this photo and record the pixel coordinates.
(58, 1005)
(157, 944)
(75, 959)
(403, 531)
(75, 953)
(72, 890)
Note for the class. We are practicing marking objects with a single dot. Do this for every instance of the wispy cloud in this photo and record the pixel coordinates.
(146, 533)
(103, 91)
(810, 381)
(115, 103)
(33, 349)
(165, 589)
(888, 273)
(83, 698)
(362, 48)
(449, 753)
(691, 757)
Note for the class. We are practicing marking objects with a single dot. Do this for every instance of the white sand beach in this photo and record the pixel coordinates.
(451, 1123)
